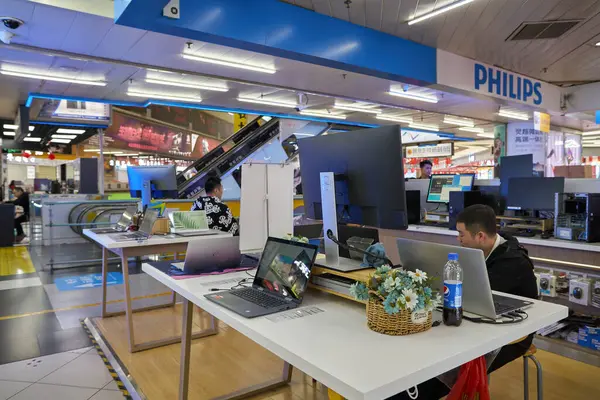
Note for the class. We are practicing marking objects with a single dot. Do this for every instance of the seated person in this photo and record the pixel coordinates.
(22, 200)
(218, 215)
(510, 271)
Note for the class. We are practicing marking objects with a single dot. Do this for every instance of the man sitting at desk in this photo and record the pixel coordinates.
(510, 271)
(218, 214)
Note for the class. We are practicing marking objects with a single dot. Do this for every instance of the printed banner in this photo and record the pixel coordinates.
(522, 138)
(436, 150)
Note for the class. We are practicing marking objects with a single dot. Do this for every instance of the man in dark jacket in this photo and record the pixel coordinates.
(510, 271)
(22, 200)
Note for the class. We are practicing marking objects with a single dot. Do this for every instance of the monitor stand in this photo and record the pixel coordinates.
(332, 253)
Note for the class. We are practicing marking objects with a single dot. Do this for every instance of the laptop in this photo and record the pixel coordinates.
(145, 230)
(189, 223)
(477, 293)
(279, 284)
(122, 224)
(217, 255)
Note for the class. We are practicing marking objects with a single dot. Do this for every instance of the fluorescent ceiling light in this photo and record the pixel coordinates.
(513, 115)
(276, 103)
(65, 141)
(151, 96)
(474, 130)
(32, 139)
(15, 127)
(91, 150)
(406, 120)
(322, 114)
(187, 85)
(458, 121)
(7, 133)
(232, 64)
(439, 11)
(356, 108)
(433, 128)
(70, 131)
(64, 136)
(303, 134)
(597, 44)
(414, 96)
(588, 133)
(51, 78)
(486, 135)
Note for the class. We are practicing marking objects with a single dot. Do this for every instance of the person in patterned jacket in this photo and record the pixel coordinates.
(218, 214)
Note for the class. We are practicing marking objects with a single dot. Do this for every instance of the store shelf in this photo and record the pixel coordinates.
(578, 308)
(568, 349)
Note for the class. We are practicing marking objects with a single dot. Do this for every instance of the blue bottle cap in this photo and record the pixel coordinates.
(453, 256)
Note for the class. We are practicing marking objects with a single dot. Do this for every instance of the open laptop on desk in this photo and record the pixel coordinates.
(122, 224)
(279, 284)
(145, 230)
(477, 293)
(216, 255)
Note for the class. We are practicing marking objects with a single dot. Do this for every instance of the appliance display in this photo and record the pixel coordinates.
(440, 186)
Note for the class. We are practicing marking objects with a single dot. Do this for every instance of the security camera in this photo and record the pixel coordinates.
(6, 37)
(11, 23)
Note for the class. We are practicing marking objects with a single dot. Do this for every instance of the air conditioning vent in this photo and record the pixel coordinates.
(543, 30)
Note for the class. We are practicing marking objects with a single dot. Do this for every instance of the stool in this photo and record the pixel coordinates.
(530, 355)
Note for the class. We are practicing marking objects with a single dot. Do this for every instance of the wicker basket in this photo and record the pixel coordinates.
(397, 324)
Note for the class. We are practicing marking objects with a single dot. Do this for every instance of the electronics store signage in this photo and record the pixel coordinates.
(437, 150)
(541, 121)
(472, 76)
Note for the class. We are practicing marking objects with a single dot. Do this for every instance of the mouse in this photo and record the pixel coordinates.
(546, 235)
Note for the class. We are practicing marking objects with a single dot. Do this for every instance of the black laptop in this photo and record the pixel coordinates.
(279, 284)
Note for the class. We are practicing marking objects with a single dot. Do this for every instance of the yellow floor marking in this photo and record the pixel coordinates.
(150, 296)
(15, 261)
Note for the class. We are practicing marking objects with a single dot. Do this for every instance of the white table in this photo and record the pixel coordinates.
(337, 349)
(137, 248)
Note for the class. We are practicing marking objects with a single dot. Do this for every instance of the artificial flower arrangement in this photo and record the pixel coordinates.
(399, 302)
(293, 238)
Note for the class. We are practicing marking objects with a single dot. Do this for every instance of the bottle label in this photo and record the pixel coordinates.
(452, 294)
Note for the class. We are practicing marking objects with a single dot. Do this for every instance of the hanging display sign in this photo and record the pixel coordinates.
(541, 121)
(436, 150)
(472, 76)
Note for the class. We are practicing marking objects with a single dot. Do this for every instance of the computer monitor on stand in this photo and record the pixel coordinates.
(152, 182)
(353, 177)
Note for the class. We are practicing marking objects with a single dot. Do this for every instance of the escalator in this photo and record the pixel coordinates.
(229, 154)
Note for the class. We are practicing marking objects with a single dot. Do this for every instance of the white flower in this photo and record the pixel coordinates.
(410, 298)
(418, 276)
(435, 302)
(389, 284)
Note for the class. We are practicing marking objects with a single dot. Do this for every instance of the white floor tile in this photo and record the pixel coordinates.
(20, 283)
(111, 386)
(107, 395)
(8, 389)
(39, 391)
(81, 351)
(35, 369)
(87, 370)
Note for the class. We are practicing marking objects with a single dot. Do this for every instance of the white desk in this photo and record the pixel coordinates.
(337, 349)
(137, 248)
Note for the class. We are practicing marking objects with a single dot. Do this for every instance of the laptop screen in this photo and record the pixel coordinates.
(284, 267)
(149, 219)
(126, 217)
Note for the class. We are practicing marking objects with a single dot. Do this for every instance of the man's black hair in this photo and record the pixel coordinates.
(424, 163)
(211, 184)
(19, 189)
(478, 218)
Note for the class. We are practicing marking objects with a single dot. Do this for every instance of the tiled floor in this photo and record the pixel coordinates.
(74, 375)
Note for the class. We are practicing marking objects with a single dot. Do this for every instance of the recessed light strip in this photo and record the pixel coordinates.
(439, 11)
(276, 103)
(357, 109)
(15, 127)
(486, 135)
(413, 96)
(474, 130)
(460, 122)
(406, 120)
(232, 64)
(32, 139)
(187, 85)
(151, 96)
(65, 141)
(513, 115)
(8, 133)
(588, 133)
(70, 131)
(64, 136)
(423, 126)
(322, 114)
(51, 78)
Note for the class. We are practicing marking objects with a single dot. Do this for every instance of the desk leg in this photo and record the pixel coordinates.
(104, 276)
(286, 378)
(128, 312)
(186, 344)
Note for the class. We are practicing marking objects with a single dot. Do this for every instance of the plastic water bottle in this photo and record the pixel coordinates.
(453, 272)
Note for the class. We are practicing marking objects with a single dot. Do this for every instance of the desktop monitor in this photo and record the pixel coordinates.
(533, 193)
(440, 186)
(514, 167)
(158, 182)
(369, 176)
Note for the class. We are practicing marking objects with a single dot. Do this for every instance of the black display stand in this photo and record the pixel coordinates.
(7, 230)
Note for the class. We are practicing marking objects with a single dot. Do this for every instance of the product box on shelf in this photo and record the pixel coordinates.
(547, 285)
(580, 291)
(589, 336)
(596, 294)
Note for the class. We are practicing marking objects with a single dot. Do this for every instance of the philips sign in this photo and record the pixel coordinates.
(466, 75)
(506, 84)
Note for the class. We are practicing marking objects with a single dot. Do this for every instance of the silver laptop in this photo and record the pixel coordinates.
(145, 230)
(477, 293)
(216, 255)
(122, 224)
(279, 284)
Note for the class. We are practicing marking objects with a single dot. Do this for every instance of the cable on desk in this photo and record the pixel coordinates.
(514, 318)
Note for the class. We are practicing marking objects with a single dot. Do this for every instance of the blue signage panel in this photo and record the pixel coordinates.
(87, 281)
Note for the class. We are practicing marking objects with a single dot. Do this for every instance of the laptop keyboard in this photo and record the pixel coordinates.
(259, 298)
(137, 235)
(504, 304)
